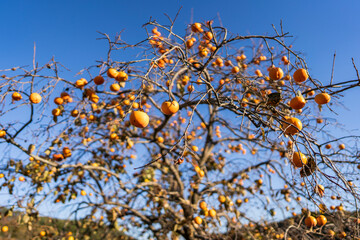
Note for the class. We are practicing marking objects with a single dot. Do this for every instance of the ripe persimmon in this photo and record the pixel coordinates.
(121, 76)
(196, 28)
(322, 98)
(139, 119)
(115, 87)
(169, 108)
(203, 52)
(299, 159)
(2, 133)
(98, 80)
(112, 72)
(203, 205)
(81, 83)
(56, 112)
(310, 221)
(16, 96)
(297, 102)
(212, 213)
(35, 98)
(321, 220)
(289, 129)
(276, 73)
(235, 69)
(198, 220)
(58, 101)
(300, 75)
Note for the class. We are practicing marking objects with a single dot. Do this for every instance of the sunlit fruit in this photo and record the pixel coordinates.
(112, 72)
(276, 73)
(196, 28)
(310, 221)
(299, 159)
(198, 220)
(35, 98)
(115, 87)
(139, 119)
(222, 198)
(121, 76)
(212, 213)
(81, 83)
(321, 220)
(300, 75)
(5, 229)
(322, 98)
(16, 96)
(297, 102)
(203, 205)
(169, 108)
(2, 133)
(290, 129)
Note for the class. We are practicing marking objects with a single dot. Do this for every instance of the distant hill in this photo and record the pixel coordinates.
(19, 228)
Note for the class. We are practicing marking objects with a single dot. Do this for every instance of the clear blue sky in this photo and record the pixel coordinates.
(68, 30)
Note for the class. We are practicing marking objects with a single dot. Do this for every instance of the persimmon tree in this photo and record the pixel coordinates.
(199, 135)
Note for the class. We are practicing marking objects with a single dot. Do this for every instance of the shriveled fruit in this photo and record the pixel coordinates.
(310, 221)
(16, 96)
(276, 73)
(321, 220)
(300, 75)
(322, 98)
(35, 98)
(297, 102)
(139, 119)
(169, 108)
(289, 129)
(98, 80)
(299, 159)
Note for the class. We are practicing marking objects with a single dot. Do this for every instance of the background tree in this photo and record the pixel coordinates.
(203, 136)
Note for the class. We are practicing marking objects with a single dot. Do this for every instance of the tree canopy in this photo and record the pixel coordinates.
(203, 135)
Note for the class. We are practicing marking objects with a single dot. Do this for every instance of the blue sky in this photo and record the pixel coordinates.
(68, 30)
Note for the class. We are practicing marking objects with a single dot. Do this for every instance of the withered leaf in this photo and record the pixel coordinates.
(309, 168)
